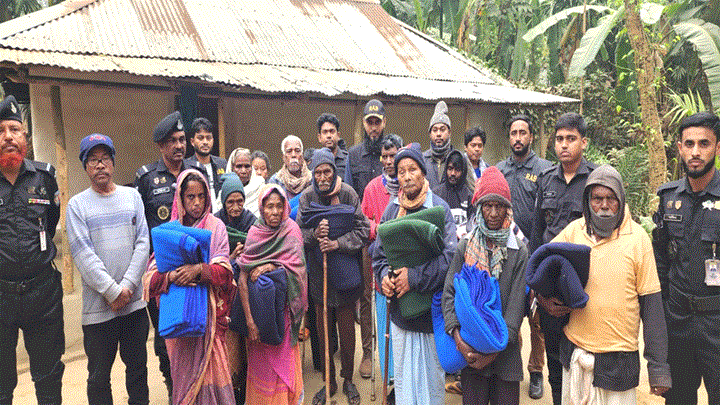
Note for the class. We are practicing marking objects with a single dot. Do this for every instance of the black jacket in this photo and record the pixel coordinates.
(362, 166)
(218, 165)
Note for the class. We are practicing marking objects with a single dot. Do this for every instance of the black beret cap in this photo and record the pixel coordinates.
(10, 109)
(169, 125)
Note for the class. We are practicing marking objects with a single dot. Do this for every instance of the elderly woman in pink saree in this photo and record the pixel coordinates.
(199, 365)
(274, 373)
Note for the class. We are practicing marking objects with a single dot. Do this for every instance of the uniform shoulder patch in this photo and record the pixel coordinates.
(45, 167)
(548, 170)
(145, 169)
(669, 186)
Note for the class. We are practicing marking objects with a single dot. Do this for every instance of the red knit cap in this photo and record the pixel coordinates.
(491, 186)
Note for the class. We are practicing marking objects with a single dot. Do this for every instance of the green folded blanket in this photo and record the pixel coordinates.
(410, 241)
(235, 237)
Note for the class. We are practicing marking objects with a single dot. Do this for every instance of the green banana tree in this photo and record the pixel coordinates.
(594, 38)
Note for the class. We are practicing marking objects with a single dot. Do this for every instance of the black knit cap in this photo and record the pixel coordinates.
(10, 109)
(167, 126)
(413, 152)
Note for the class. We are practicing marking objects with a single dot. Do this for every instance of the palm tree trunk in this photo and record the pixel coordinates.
(646, 73)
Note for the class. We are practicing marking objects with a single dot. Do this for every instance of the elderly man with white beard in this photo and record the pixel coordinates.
(294, 175)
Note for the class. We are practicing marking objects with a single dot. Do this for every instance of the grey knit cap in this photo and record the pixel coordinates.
(440, 115)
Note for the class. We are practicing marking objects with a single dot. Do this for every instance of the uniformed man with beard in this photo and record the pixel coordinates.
(686, 243)
(363, 165)
(30, 286)
(156, 184)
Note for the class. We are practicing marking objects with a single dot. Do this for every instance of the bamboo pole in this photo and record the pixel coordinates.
(221, 127)
(62, 179)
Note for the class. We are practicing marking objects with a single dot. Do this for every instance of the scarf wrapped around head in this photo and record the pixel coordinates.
(491, 186)
(281, 246)
(478, 246)
(252, 189)
(178, 210)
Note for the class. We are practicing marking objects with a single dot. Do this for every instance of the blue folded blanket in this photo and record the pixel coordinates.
(294, 202)
(183, 310)
(479, 310)
(267, 304)
(560, 270)
(450, 358)
(344, 272)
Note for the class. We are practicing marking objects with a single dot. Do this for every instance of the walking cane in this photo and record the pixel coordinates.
(387, 344)
(325, 330)
(373, 326)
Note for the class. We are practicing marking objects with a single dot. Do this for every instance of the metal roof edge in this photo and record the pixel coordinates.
(457, 55)
(42, 16)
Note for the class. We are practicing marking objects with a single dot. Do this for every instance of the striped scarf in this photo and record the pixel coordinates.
(488, 248)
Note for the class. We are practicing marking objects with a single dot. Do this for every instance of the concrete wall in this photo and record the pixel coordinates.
(128, 116)
(262, 124)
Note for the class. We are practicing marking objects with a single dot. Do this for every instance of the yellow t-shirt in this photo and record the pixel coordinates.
(622, 268)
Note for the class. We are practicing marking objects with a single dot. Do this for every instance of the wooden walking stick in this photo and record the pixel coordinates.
(325, 330)
(387, 344)
(373, 327)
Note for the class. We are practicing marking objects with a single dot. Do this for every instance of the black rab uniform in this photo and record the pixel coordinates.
(30, 287)
(688, 227)
(558, 203)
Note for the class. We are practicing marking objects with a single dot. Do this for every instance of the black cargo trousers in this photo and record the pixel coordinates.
(35, 307)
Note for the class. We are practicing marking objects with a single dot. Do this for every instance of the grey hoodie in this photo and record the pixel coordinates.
(609, 177)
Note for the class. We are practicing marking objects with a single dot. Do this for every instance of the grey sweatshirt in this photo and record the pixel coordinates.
(109, 241)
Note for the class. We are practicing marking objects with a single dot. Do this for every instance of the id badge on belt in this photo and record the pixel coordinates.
(712, 270)
(43, 236)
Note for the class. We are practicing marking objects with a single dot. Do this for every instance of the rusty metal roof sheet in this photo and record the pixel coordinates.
(323, 46)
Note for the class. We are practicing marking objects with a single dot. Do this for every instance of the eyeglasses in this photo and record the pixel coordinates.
(92, 162)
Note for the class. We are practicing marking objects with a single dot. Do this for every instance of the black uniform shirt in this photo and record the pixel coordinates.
(522, 177)
(156, 185)
(688, 224)
(558, 202)
(28, 208)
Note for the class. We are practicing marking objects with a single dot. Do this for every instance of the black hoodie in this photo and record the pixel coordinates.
(458, 196)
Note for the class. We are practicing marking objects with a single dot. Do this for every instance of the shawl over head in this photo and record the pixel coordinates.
(219, 249)
(252, 189)
(281, 246)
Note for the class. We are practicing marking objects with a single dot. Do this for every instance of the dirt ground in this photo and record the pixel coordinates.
(74, 380)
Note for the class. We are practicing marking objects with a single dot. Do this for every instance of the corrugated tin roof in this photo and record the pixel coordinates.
(325, 46)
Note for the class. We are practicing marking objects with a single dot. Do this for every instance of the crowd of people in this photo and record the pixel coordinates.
(335, 225)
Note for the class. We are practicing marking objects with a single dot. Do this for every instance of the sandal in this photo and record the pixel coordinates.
(319, 398)
(351, 392)
(453, 388)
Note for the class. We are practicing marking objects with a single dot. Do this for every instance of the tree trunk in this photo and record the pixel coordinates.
(646, 74)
